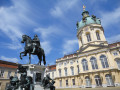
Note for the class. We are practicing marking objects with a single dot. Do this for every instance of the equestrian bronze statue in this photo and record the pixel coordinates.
(32, 46)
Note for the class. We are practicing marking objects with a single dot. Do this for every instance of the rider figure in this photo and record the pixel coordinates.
(36, 43)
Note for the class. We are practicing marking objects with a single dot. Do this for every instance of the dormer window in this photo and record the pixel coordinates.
(98, 35)
(88, 37)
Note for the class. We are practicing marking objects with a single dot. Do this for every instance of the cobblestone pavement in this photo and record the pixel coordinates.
(108, 88)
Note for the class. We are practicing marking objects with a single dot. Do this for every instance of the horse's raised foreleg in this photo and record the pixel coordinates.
(21, 55)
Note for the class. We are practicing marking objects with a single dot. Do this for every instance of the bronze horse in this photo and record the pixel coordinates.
(29, 49)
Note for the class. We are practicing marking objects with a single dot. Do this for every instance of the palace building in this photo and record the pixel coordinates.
(7, 69)
(95, 64)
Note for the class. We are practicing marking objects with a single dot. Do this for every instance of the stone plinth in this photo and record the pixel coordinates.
(35, 71)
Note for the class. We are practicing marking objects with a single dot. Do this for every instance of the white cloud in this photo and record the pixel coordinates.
(47, 47)
(61, 7)
(114, 39)
(97, 1)
(12, 19)
(70, 46)
(110, 18)
(13, 46)
(48, 32)
(9, 59)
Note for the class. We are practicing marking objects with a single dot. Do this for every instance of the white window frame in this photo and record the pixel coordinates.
(2, 73)
(115, 53)
(99, 81)
(66, 83)
(118, 63)
(65, 71)
(78, 69)
(88, 37)
(88, 82)
(94, 63)
(60, 83)
(85, 65)
(73, 81)
(98, 35)
(59, 72)
(72, 70)
(71, 62)
(109, 80)
(104, 61)
(9, 74)
(52, 74)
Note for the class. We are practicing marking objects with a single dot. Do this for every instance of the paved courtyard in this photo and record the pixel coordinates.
(107, 88)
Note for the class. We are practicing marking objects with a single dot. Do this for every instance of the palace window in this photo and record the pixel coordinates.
(52, 74)
(60, 72)
(109, 80)
(9, 74)
(118, 63)
(88, 82)
(115, 53)
(65, 64)
(88, 37)
(98, 35)
(72, 70)
(98, 80)
(78, 69)
(66, 82)
(94, 63)
(85, 65)
(60, 64)
(60, 83)
(77, 61)
(2, 73)
(65, 71)
(73, 81)
(71, 62)
(104, 61)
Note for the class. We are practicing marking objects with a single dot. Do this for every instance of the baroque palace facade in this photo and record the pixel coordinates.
(95, 64)
(7, 69)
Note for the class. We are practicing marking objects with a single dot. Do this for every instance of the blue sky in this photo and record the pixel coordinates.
(54, 21)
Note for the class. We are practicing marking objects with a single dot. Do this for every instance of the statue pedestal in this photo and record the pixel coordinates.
(37, 72)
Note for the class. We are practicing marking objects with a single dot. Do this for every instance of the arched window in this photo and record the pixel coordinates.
(104, 61)
(98, 80)
(88, 37)
(88, 82)
(118, 63)
(60, 72)
(98, 35)
(84, 64)
(78, 69)
(72, 70)
(94, 63)
(65, 71)
(109, 80)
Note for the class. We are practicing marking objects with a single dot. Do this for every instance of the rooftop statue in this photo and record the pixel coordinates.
(32, 46)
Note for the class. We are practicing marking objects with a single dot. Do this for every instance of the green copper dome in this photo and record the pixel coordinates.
(86, 20)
